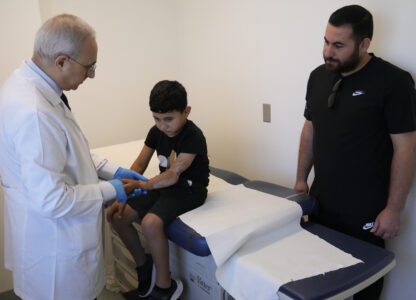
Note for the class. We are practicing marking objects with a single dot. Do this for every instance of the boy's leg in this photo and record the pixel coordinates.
(165, 287)
(157, 242)
(128, 234)
(171, 202)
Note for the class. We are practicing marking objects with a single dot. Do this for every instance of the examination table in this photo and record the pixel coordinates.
(191, 261)
(338, 284)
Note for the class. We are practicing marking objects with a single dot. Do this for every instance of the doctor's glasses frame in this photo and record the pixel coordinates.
(90, 68)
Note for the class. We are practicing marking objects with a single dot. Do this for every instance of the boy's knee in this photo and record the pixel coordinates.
(120, 223)
(151, 224)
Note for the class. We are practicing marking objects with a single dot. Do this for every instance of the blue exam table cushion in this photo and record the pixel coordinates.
(332, 283)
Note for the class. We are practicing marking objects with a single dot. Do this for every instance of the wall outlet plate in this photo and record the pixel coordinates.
(266, 113)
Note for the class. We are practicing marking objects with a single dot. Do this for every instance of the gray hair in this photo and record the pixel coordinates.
(61, 35)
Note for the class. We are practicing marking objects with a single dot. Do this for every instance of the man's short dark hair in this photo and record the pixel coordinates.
(358, 17)
(167, 96)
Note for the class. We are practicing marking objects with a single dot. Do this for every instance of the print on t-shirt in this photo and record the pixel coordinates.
(164, 162)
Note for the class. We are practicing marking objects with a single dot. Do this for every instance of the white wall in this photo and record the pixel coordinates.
(19, 21)
(232, 56)
(236, 55)
(136, 48)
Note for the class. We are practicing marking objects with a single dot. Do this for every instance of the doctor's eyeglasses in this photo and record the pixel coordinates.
(90, 68)
(335, 88)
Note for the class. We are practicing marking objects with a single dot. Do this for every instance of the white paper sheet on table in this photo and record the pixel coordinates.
(258, 244)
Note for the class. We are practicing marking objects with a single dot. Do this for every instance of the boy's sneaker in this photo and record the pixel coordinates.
(171, 293)
(146, 276)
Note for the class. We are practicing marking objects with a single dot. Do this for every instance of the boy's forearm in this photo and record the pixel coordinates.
(138, 168)
(165, 179)
(171, 175)
(142, 161)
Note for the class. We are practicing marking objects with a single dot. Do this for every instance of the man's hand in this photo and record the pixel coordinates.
(301, 186)
(387, 224)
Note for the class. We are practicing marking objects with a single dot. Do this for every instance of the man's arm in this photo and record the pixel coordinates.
(305, 158)
(387, 224)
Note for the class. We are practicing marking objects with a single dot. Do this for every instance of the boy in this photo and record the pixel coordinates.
(181, 186)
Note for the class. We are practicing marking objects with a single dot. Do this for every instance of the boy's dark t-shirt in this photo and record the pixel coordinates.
(190, 140)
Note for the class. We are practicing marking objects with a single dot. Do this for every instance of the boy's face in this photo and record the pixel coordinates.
(171, 122)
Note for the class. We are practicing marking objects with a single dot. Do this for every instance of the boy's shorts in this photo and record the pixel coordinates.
(170, 202)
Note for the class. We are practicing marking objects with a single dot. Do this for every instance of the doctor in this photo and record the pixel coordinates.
(53, 199)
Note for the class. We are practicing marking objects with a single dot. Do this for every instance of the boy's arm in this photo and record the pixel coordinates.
(167, 178)
(142, 161)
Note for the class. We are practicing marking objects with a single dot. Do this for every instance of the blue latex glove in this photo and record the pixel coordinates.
(120, 193)
(128, 174)
(137, 192)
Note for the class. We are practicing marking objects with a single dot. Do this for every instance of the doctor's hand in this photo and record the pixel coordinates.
(387, 224)
(123, 173)
(136, 193)
(121, 195)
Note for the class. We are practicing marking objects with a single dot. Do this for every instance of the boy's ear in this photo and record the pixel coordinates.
(187, 111)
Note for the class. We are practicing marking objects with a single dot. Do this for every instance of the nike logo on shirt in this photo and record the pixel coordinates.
(368, 226)
(358, 93)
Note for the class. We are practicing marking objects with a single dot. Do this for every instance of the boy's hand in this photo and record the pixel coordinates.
(115, 211)
(131, 185)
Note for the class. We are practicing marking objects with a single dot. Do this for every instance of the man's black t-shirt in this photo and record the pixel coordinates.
(352, 148)
(190, 140)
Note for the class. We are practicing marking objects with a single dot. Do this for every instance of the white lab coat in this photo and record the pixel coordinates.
(53, 219)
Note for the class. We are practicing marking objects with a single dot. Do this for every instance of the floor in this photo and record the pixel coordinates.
(9, 295)
(105, 295)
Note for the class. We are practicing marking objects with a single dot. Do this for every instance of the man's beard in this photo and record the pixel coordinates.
(347, 66)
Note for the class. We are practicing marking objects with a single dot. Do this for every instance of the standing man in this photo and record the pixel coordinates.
(359, 135)
(53, 200)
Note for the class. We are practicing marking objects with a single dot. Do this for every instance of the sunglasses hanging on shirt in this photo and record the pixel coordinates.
(333, 95)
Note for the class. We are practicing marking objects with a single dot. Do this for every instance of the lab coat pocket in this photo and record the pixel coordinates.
(83, 232)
